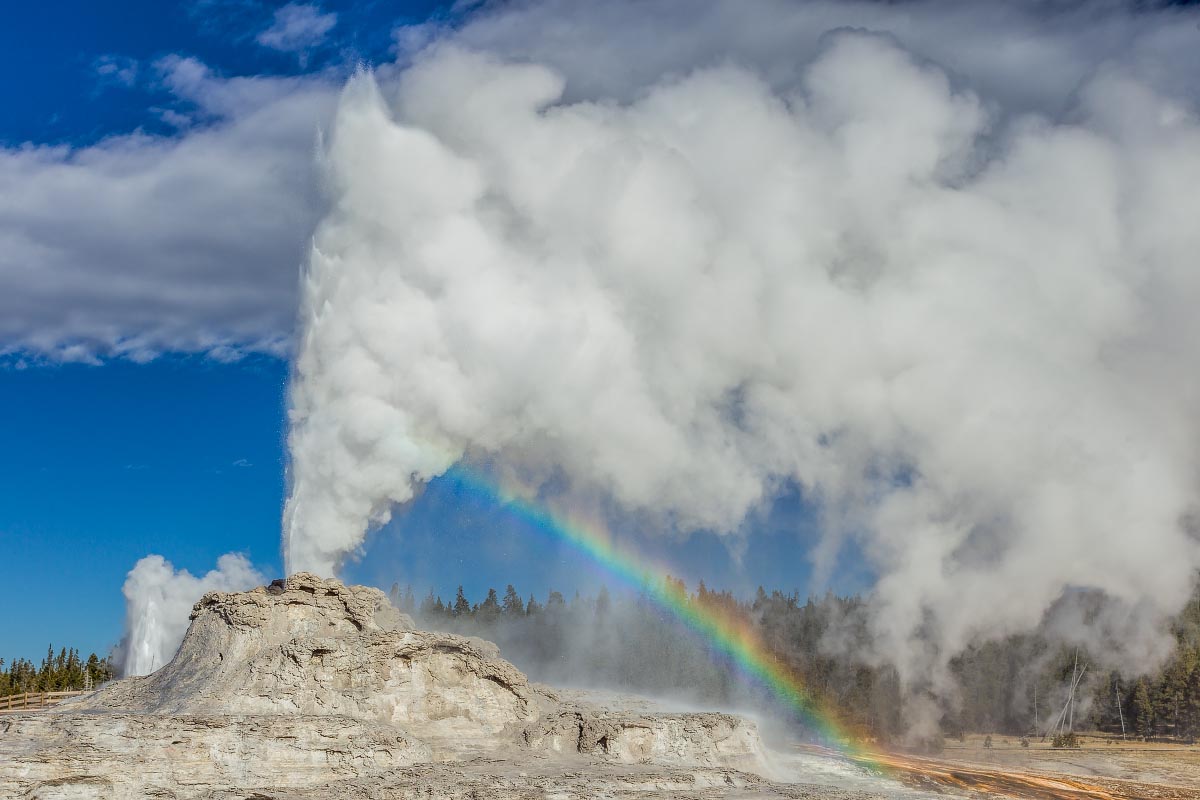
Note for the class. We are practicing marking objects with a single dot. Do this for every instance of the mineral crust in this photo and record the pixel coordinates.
(311, 689)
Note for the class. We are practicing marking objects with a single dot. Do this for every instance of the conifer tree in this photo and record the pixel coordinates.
(1143, 710)
(408, 603)
(430, 606)
(462, 608)
(489, 609)
(513, 607)
(603, 603)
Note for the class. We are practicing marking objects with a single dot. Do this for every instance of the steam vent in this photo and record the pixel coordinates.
(312, 689)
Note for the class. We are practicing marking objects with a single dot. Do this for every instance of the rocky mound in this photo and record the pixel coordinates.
(316, 647)
(697, 739)
(308, 684)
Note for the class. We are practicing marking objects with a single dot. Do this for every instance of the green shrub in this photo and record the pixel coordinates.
(1065, 740)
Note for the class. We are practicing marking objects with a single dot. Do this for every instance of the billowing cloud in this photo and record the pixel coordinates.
(931, 261)
(1021, 55)
(140, 244)
(946, 293)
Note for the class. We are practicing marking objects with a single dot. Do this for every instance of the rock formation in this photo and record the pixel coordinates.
(308, 688)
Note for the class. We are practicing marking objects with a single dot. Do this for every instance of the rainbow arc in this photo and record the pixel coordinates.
(725, 632)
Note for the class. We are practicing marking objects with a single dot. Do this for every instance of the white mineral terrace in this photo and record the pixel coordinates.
(312, 689)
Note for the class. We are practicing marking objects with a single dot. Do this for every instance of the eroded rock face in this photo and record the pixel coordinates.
(134, 755)
(309, 646)
(704, 739)
(306, 685)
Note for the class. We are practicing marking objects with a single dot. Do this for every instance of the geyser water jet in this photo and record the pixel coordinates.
(158, 601)
(956, 322)
(932, 261)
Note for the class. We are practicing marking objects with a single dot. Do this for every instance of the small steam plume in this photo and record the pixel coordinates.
(950, 297)
(158, 603)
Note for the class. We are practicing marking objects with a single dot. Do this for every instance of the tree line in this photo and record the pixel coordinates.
(1018, 685)
(64, 671)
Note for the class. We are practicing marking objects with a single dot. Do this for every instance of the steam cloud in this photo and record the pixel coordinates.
(158, 604)
(940, 273)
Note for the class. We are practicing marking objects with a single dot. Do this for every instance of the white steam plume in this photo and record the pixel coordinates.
(158, 603)
(962, 319)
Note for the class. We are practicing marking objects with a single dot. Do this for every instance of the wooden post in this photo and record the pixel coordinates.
(1120, 713)
(1071, 701)
(1035, 710)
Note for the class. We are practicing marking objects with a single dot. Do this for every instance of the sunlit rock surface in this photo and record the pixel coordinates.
(309, 688)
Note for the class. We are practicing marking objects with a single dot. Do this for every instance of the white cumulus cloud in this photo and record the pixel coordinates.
(297, 27)
(140, 244)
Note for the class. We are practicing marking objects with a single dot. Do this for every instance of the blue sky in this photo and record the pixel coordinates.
(60, 48)
(103, 465)
(108, 460)
(185, 457)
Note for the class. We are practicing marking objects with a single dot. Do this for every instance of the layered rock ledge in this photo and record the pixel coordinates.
(310, 688)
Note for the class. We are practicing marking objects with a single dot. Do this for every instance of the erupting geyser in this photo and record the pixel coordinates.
(959, 318)
(931, 263)
(158, 600)
(923, 272)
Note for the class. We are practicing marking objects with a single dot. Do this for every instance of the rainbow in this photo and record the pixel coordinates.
(726, 633)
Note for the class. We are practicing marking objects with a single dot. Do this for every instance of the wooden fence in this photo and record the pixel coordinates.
(32, 701)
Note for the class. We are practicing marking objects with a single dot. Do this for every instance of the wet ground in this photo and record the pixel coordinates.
(1101, 769)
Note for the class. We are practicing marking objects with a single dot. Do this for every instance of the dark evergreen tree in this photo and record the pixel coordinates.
(513, 607)
(408, 603)
(489, 610)
(462, 608)
(1143, 710)
(631, 642)
(64, 671)
(603, 602)
(429, 606)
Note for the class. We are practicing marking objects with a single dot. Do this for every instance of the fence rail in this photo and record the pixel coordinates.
(32, 701)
